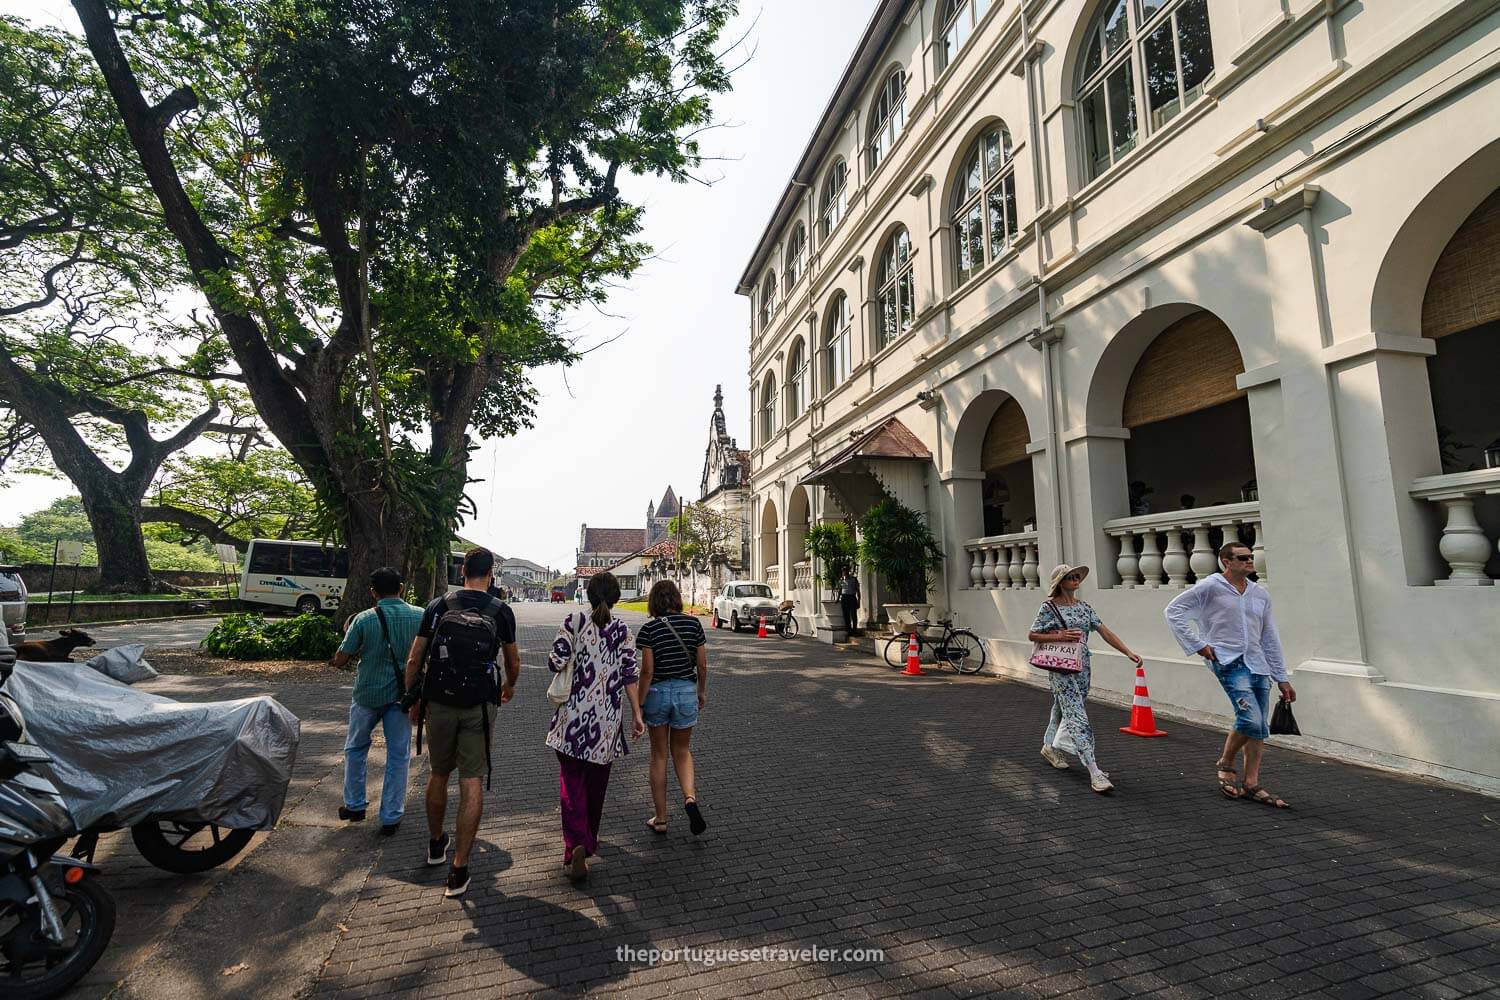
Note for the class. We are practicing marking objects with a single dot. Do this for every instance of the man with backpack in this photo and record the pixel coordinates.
(461, 638)
(380, 638)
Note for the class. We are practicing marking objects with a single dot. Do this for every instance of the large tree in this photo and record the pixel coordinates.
(390, 204)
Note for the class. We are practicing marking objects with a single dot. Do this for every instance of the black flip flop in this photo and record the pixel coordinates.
(696, 822)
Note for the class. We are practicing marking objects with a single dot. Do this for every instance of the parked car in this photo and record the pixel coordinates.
(13, 602)
(743, 604)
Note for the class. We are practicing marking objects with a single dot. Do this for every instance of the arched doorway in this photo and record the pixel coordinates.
(798, 514)
(1008, 496)
(770, 538)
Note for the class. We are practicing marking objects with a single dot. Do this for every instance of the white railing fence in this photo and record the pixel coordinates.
(1177, 548)
(1004, 562)
(773, 577)
(1464, 545)
(802, 577)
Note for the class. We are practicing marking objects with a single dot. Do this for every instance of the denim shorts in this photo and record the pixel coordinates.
(1249, 695)
(672, 703)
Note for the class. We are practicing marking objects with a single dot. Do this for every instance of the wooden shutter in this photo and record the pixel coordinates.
(1464, 290)
(1006, 437)
(1190, 366)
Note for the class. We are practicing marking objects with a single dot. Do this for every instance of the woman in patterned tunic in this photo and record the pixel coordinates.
(1065, 618)
(588, 731)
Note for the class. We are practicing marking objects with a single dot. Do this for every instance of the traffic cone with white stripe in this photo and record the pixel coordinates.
(913, 657)
(1142, 722)
(762, 633)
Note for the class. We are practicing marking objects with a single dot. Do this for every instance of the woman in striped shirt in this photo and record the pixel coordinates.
(674, 677)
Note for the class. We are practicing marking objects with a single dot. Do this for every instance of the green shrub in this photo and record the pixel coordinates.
(250, 637)
(900, 547)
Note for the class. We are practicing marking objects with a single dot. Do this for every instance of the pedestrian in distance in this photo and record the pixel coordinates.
(849, 601)
(380, 639)
(1226, 619)
(461, 637)
(674, 676)
(1064, 617)
(588, 730)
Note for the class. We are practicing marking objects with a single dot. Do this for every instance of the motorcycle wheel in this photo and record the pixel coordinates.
(88, 917)
(187, 848)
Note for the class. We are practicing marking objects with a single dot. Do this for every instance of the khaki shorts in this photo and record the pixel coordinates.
(455, 738)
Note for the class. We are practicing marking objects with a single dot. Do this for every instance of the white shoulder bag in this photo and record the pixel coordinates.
(561, 687)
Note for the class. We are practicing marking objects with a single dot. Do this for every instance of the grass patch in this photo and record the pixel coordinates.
(196, 594)
(640, 606)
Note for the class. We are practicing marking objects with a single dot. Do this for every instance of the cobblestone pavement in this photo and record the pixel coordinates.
(853, 808)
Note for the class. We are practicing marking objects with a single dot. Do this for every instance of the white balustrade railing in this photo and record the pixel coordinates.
(1464, 545)
(1176, 548)
(802, 577)
(1004, 562)
(773, 577)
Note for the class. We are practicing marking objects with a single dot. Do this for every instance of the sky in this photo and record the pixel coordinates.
(632, 418)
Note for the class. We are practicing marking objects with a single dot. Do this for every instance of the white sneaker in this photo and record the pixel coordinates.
(1054, 758)
(1100, 783)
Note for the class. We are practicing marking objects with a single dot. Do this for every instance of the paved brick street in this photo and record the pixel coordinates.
(851, 807)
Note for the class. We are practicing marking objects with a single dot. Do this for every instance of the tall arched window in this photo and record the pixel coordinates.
(767, 299)
(796, 256)
(1156, 54)
(835, 198)
(768, 408)
(888, 118)
(796, 381)
(956, 24)
(984, 204)
(895, 303)
(838, 342)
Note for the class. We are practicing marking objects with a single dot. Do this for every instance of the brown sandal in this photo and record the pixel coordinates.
(1258, 793)
(1231, 789)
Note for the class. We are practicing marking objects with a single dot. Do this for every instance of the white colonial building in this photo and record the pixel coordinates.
(1111, 281)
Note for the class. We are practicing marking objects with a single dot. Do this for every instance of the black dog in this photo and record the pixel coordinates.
(59, 650)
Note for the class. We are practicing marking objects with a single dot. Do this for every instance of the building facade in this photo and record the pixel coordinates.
(601, 548)
(659, 517)
(1110, 282)
(724, 488)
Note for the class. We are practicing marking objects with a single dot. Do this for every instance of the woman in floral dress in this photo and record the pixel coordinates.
(588, 731)
(1066, 618)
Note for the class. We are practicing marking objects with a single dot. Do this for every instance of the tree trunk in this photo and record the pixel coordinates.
(373, 542)
(115, 521)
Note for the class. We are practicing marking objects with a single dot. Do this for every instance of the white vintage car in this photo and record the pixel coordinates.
(743, 603)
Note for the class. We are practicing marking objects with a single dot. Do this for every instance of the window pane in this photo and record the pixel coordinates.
(905, 288)
(269, 557)
(1147, 9)
(1092, 57)
(1161, 76)
(968, 234)
(1197, 47)
(1096, 132)
(994, 153)
(1122, 124)
(1116, 28)
(888, 317)
(1002, 209)
(842, 358)
(310, 561)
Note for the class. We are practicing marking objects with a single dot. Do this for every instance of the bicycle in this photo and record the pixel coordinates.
(786, 624)
(957, 647)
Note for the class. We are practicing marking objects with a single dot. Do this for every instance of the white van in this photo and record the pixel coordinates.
(308, 576)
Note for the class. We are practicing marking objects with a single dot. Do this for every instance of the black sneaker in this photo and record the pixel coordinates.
(437, 851)
(458, 881)
(351, 815)
(389, 829)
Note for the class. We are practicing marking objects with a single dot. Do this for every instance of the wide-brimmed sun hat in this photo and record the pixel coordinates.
(1058, 572)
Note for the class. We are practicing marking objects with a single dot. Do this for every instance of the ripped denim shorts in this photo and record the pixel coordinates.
(1249, 695)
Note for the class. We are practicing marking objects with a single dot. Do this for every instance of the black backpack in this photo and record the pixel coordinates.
(461, 657)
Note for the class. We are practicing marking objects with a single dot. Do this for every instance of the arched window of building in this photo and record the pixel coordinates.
(1155, 55)
(796, 257)
(1009, 492)
(984, 204)
(956, 25)
(767, 300)
(796, 381)
(838, 340)
(835, 198)
(768, 408)
(895, 303)
(888, 117)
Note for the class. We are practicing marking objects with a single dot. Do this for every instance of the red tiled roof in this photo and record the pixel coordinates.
(612, 541)
(889, 440)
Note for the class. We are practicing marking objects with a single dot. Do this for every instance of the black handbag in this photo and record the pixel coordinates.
(1283, 722)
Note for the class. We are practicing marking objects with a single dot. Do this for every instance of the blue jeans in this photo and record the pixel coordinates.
(671, 702)
(1249, 695)
(397, 729)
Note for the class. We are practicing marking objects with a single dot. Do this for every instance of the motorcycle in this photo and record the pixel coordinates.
(55, 919)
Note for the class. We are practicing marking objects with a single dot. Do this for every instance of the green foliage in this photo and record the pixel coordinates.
(259, 493)
(250, 637)
(897, 543)
(832, 543)
(63, 519)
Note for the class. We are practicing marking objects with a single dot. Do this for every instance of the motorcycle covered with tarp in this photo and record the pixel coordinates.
(192, 780)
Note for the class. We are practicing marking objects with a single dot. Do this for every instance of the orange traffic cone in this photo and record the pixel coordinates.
(913, 657)
(762, 633)
(1142, 722)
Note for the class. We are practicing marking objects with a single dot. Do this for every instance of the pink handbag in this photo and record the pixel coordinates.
(1059, 657)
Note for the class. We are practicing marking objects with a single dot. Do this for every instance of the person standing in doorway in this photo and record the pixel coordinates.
(1064, 617)
(588, 730)
(1226, 619)
(674, 675)
(467, 631)
(849, 599)
(380, 638)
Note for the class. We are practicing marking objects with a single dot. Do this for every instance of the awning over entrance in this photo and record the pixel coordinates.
(889, 440)
(884, 461)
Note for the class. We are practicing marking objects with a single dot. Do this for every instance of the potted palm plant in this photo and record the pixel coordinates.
(832, 544)
(897, 543)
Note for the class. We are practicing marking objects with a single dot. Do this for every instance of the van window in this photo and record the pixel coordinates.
(269, 557)
(310, 561)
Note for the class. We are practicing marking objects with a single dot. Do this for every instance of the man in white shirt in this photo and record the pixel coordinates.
(1226, 619)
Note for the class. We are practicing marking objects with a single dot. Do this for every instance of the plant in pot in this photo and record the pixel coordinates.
(897, 543)
(832, 544)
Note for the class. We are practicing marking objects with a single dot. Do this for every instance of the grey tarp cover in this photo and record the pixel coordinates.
(122, 755)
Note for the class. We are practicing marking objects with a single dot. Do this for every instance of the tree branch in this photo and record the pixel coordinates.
(197, 525)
